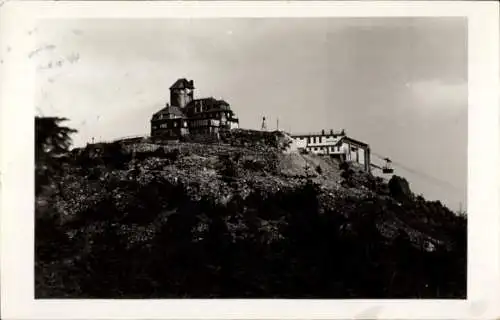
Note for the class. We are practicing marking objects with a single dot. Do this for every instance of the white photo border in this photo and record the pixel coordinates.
(17, 87)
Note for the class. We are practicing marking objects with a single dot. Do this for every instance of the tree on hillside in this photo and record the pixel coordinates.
(51, 141)
(400, 188)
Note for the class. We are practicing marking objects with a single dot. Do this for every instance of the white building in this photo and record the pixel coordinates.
(334, 144)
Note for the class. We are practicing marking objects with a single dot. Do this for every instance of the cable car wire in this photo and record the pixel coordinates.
(428, 177)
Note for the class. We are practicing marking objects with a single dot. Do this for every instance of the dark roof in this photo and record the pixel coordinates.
(183, 84)
(211, 102)
(316, 134)
(354, 141)
(223, 102)
(169, 110)
(207, 99)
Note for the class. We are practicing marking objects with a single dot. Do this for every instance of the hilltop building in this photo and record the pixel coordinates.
(334, 144)
(188, 116)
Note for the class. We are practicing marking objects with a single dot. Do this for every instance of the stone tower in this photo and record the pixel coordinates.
(181, 92)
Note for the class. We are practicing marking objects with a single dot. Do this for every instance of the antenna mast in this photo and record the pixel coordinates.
(264, 126)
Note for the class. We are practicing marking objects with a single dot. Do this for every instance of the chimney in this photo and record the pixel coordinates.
(323, 132)
(331, 132)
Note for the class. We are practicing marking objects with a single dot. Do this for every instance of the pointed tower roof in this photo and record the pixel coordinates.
(183, 83)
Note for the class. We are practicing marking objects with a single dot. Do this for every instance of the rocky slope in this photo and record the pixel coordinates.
(239, 218)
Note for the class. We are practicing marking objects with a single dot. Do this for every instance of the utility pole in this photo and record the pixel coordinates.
(277, 124)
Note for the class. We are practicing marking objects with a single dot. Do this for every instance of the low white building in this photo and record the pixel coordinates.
(334, 144)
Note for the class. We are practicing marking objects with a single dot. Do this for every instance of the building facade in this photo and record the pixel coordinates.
(188, 116)
(334, 144)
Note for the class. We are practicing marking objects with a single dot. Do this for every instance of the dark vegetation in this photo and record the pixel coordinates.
(145, 236)
(51, 144)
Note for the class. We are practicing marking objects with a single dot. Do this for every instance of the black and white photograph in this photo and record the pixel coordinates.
(293, 157)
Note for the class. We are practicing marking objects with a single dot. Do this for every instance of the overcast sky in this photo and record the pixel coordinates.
(398, 84)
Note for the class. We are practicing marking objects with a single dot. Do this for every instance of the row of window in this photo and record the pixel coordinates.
(214, 115)
(332, 149)
(167, 116)
(315, 139)
(173, 124)
(193, 124)
(206, 122)
(204, 130)
(203, 123)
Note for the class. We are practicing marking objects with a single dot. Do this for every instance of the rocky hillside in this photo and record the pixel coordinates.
(239, 218)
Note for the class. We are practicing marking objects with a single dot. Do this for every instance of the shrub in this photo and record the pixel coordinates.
(228, 168)
(160, 153)
(319, 170)
(344, 166)
(94, 173)
(399, 188)
(115, 156)
(237, 156)
(173, 155)
(254, 165)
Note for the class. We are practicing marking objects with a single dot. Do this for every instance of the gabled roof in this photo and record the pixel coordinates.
(169, 110)
(183, 83)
